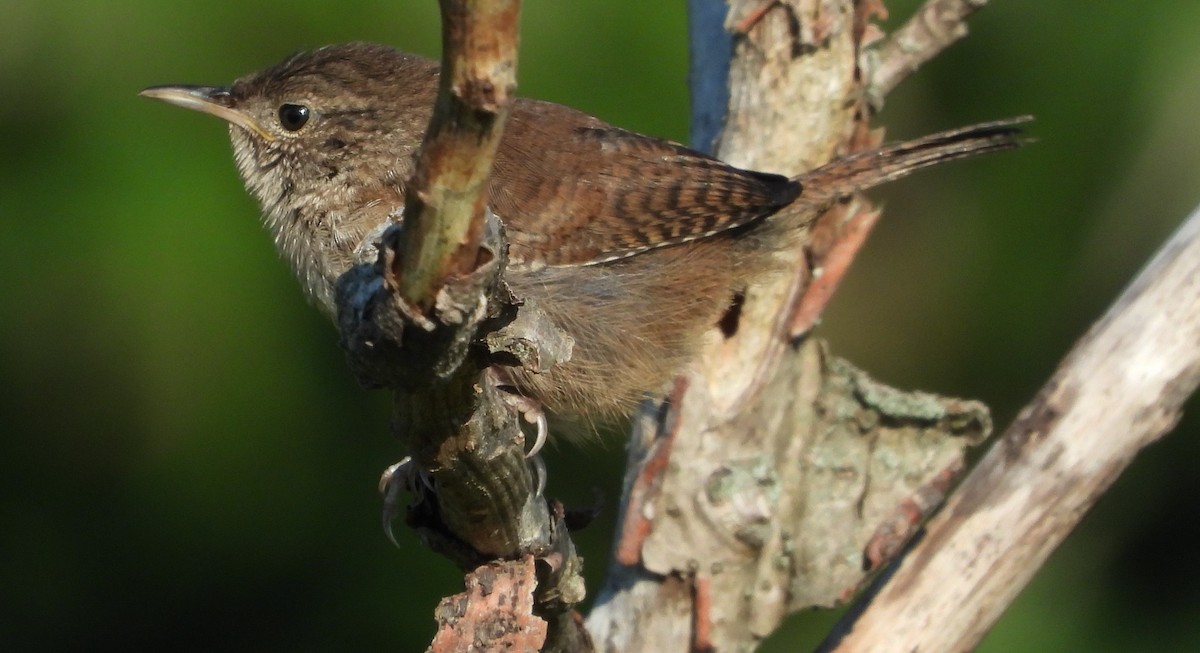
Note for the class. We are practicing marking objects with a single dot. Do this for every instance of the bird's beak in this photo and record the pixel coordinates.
(213, 100)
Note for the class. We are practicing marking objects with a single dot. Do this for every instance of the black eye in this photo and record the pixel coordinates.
(293, 116)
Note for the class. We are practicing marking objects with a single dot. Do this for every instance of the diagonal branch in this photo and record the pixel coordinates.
(933, 28)
(1120, 389)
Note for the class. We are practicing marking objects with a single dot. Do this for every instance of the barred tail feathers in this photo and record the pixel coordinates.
(862, 170)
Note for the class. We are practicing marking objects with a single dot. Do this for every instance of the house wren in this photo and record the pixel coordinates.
(634, 246)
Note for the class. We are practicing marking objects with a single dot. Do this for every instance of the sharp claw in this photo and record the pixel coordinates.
(395, 479)
(539, 441)
(387, 530)
(389, 474)
(531, 410)
(538, 469)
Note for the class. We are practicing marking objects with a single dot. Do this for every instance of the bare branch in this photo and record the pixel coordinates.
(746, 495)
(429, 319)
(444, 205)
(933, 28)
(1120, 388)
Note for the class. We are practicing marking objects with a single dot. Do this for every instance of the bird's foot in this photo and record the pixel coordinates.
(397, 478)
(531, 411)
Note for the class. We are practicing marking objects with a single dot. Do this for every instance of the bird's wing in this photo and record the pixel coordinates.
(573, 190)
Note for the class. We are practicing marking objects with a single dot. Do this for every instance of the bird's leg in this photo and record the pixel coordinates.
(527, 407)
(531, 411)
(405, 475)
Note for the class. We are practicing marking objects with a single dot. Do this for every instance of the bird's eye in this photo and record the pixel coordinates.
(293, 116)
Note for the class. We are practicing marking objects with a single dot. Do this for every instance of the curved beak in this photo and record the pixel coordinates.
(213, 100)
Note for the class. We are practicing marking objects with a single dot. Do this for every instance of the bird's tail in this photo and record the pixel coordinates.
(862, 170)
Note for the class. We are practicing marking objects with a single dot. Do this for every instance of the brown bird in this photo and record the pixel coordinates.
(634, 245)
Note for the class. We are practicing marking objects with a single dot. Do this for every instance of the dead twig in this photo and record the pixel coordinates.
(933, 28)
(1121, 388)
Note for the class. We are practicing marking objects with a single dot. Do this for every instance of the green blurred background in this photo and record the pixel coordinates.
(187, 464)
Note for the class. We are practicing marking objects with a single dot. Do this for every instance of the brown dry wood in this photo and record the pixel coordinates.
(495, 609)
(444, 204)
